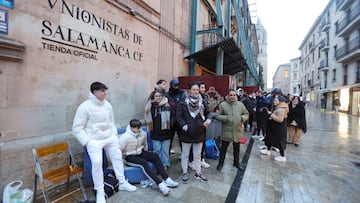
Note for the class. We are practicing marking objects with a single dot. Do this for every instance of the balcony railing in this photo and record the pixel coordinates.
(342, 5)
(325, 25)
(343, 23)
(210, 35)
(323, 64)
(339, 3)
(311, 45)
(324, 45)
(349, 47)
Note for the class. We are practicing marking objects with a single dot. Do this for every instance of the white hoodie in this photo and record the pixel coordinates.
(94, 119)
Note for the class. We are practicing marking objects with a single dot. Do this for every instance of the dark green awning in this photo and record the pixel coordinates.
(234, 61)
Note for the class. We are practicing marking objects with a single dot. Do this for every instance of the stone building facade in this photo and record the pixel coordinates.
(54, 50)
(281, 78)
(263, 56)
(294, 77)
(330, 59)
(51, 51)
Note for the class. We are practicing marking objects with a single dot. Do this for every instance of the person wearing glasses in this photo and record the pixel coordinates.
(232, 114)
(133, 144)
(157, 117)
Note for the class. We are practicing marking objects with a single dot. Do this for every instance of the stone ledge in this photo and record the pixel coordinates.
(11, 50)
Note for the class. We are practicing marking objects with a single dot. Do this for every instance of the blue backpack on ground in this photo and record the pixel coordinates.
(211, 149)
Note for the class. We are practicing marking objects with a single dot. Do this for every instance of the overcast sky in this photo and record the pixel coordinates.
(287, 22)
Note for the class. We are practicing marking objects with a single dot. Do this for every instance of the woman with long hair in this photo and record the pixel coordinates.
(193, 117)
(296, 120)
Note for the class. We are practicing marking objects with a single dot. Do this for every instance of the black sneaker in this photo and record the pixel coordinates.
(200, 177)
(185, 178)
(219, 167)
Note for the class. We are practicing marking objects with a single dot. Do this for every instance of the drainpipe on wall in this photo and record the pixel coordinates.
(193, 40)
(220, 52)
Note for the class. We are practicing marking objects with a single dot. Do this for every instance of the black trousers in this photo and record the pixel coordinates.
(173, 130)
(142, 160)
(223, 150)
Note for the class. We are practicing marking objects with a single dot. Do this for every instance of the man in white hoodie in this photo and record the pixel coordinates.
(94, 127)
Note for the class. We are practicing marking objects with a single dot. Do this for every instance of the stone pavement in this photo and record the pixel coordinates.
(324, 168)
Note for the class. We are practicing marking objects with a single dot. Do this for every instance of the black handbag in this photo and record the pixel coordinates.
(111, 184)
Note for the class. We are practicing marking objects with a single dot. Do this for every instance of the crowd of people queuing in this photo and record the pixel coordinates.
(272, 118)
(280, 119)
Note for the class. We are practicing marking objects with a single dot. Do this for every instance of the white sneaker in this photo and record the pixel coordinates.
(265, 151)
(262, 147)
(100, 196)
(170, 183)
(172, 151)
(204, 164)
(255, 137)
(192, 166)
(163, 188)
(280, 158)
(126, 186)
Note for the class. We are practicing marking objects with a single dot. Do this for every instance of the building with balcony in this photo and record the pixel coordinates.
(330, 57)
(281, 78)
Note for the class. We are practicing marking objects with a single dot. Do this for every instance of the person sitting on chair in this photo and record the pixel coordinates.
(133, 144)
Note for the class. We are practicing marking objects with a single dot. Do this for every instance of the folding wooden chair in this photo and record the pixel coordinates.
(52, 166)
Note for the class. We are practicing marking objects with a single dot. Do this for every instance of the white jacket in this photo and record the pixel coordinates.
(94, 119)
(133, 143)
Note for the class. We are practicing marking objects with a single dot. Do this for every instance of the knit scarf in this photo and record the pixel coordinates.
(165, 115)
(195, 106)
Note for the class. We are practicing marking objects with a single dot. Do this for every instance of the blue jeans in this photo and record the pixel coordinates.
(162, 149)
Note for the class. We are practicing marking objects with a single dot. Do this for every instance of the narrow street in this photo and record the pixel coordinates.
(324, 168)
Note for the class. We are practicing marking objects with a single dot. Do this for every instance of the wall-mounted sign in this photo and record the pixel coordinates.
(4, 16)
(7, 3)
(65, 40)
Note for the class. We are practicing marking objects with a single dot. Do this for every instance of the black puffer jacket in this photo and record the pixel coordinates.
(297, 114)
(196, 129)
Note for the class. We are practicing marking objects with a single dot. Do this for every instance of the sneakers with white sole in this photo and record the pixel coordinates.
(164, 189)
(204, 164)
(280, 158)
(200, 177)
(185, 178)
(126, 186)
(170, 183)
(265, 151)
(262, 147)
(172, 151)
(261, 138)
